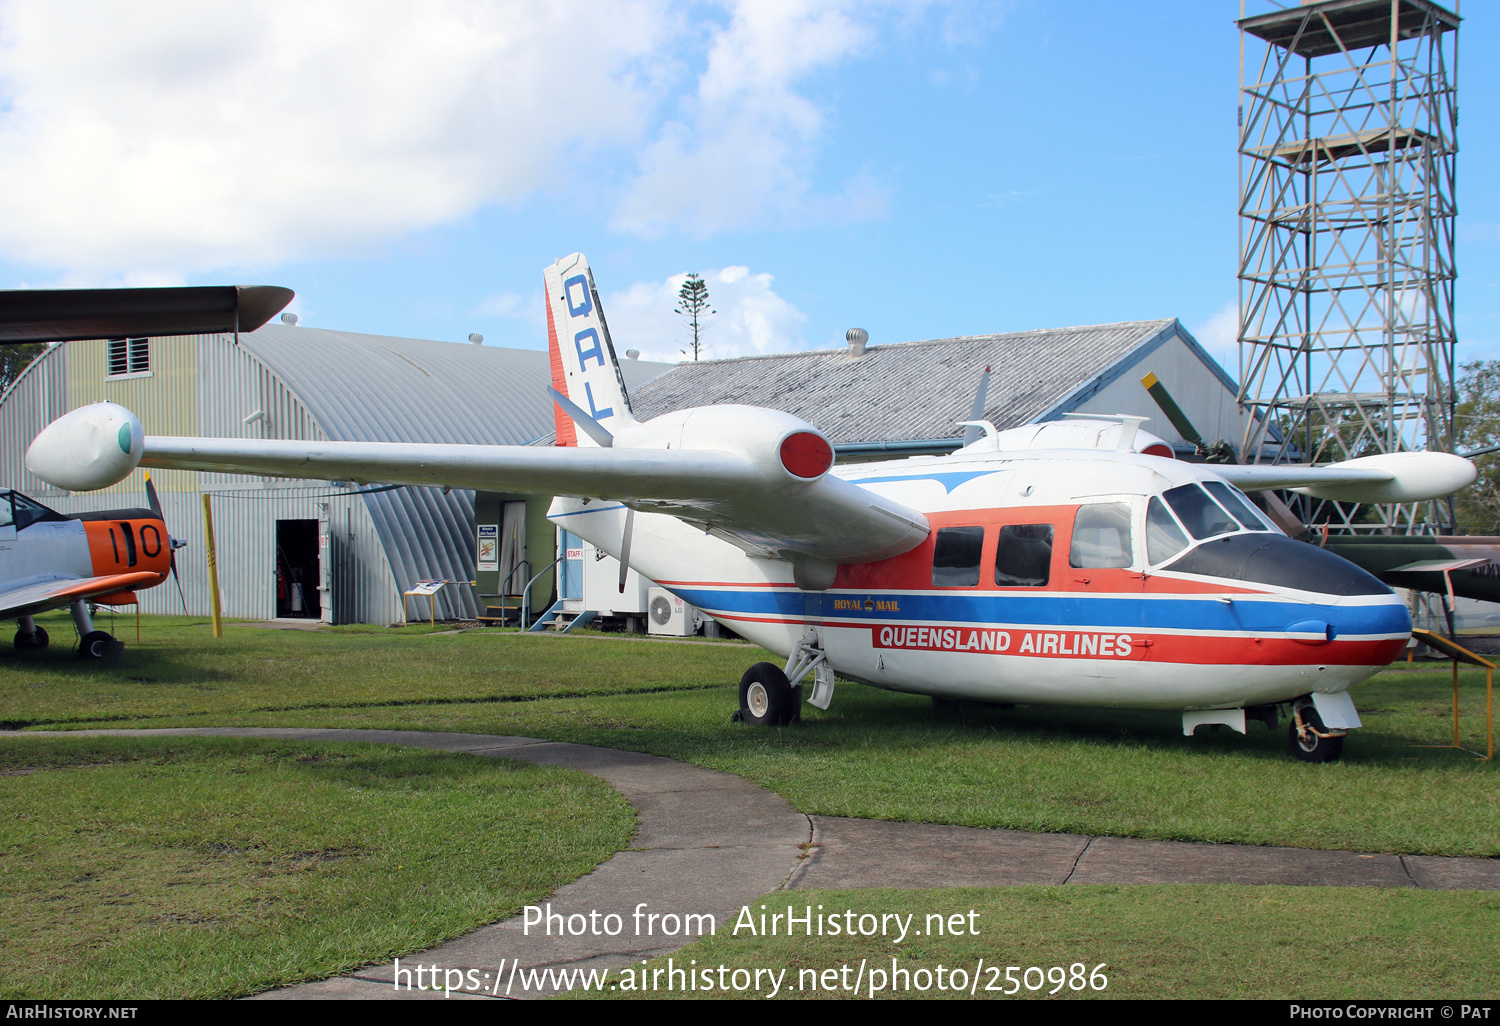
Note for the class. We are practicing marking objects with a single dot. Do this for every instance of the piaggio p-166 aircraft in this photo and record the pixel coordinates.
(1062, 563)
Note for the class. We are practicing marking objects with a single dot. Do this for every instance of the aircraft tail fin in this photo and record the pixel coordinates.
(584, 366)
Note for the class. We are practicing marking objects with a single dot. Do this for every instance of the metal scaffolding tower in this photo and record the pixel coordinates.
(1347, 143)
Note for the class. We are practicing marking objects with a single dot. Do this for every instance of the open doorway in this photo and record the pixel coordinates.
(297, 569)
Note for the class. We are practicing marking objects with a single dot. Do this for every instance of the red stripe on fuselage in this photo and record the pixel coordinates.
(912, 571)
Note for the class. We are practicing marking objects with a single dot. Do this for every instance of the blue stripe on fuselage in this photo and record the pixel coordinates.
(948, 479)
(1064, 610)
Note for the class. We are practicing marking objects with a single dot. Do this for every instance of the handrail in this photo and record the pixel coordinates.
(510, 576)
(526, 595)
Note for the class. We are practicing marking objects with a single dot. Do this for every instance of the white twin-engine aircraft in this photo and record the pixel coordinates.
(1069, 563)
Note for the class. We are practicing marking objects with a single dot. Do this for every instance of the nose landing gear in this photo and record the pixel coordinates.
(1311, 741)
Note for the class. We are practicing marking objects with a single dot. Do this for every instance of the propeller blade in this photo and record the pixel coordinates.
(1218, 452)
(172, 543)
(625, 547)
(151, 496)
(178, 581)
(1172, 410)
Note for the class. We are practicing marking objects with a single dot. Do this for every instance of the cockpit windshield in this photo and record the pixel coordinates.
(1192, 513)
(21, 511)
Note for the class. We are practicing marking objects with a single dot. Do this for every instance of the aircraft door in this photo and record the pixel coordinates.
(570, 577)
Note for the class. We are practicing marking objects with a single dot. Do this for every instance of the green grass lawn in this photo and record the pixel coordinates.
(873, 754)
(1153, 942)
(122, 837)
(215, 867)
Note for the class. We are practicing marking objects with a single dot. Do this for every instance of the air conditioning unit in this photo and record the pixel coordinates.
(668, 614)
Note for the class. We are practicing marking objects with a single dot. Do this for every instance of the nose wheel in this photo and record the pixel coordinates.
(1311, 741)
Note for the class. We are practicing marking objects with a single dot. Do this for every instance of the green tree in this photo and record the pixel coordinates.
(692, 303)
(1476, 425)
(15, 359)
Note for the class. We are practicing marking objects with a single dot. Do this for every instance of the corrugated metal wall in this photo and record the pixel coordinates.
(245, 538)
(38, 397)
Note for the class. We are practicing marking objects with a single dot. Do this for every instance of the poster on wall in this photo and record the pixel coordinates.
(489, 547)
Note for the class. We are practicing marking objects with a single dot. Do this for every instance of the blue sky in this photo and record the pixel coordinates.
(921, 170)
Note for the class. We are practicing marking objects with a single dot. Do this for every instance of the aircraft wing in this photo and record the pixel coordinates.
(753, 502)
(1389, 477)
(23, 598)
(63, 315)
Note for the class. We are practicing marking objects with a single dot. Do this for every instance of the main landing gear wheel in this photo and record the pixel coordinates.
(1308, 739)
(32, 642)
(767, 698)
(94, 645)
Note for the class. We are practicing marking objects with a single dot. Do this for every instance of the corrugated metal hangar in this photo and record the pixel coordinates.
(877, 401)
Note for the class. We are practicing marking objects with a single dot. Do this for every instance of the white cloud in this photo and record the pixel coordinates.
(180, 135)
(741, 151)
(1220, 335)
(148, 141)
(750, 317)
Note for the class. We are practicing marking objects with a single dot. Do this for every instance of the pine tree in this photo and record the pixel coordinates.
(692, 303)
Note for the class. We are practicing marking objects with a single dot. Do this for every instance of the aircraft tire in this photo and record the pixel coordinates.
(94, 645)
(33, 642)
(767, 698)
(1314, 748)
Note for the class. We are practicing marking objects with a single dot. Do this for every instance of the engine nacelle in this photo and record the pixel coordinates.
(788, 446)
(92, 447)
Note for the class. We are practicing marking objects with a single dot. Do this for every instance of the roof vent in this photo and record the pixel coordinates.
(632, 354)
(477, 339)
(857, 337)
(289, 319)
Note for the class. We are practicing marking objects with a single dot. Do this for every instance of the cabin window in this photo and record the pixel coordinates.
(1199, 514)
(1023, 556)
(1101, 537)
(1164, 539)
(128, 356)
(5, 516)
(955, 557)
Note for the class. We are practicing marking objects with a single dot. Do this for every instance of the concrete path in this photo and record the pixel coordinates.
(850, 853)
(710, 842)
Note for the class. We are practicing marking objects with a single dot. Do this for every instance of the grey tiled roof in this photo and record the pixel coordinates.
(916, 390)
